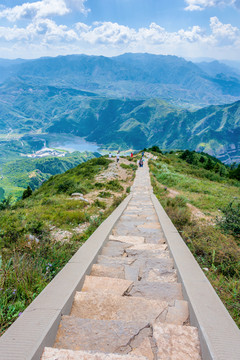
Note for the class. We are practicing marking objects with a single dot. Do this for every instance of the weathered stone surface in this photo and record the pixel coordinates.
(148, 250)
(163, 264)
(144, 349)
(107, 271)
(128, 239)
(176, 342)
(150, 225)
(97, 335)
(63, 354)
(115, 261)
(131, 272)
(155, 275)
(178, 314)
(101, 306)
(106, 285)
(162, 291)
(157, 239)
(114, 248)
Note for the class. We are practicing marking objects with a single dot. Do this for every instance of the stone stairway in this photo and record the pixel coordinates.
(131, 306)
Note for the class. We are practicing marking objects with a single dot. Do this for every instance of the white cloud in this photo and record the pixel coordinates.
(44, 37)
(224, 34)
(79, 5)
(203, 4)
(42, 9)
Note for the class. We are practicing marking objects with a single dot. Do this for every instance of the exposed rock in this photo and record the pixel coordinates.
(77, 194)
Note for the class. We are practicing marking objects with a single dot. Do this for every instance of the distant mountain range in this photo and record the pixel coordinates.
(134, 76)
(35, 110)
(133, 100)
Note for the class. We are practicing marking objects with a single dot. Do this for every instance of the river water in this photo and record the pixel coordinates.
(70, 143)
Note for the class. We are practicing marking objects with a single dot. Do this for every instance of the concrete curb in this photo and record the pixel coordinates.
(219, 335)
(37, 326)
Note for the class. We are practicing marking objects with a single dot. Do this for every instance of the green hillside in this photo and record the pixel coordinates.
(204, 205)
(39, 234)
(16, 175)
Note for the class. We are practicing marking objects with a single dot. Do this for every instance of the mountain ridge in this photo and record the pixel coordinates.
(175, 79)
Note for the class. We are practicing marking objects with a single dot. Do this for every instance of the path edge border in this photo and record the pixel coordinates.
(37, 326)
(218, 333)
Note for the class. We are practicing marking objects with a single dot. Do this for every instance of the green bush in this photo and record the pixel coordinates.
(27, 193)
(230, 222)
(114, 185)
(100, 204)
(105, 194)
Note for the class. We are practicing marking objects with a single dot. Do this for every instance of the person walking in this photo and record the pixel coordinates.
(117, 158)
(131, 155)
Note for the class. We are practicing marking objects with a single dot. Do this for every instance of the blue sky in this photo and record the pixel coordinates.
(188, 28)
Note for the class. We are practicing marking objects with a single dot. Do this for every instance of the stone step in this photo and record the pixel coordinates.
(101, 335)
(148, 250)
(128, 239)
(158, 341)
(114, 248)
(177, 314)
(176, 342)
(163, 264)
(106, 285)
(155, 290)
(101, 306)
(154, 236)
(115, 261)
(134, 269)
(152, 275)
(63, 354)
(107, 271)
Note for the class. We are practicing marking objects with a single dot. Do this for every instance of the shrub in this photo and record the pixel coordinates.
(27, 193)
(6, 203)
(100, 204)
(105, 194)
(230, 222)
(65, 186)
(114, 185)
(156, 149)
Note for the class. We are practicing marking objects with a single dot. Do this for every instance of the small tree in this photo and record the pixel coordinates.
(209, 165)
(27, 193)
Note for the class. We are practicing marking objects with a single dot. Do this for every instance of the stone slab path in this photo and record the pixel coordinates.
(131, 306)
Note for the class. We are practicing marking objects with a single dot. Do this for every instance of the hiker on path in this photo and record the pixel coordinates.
(131, 155)
(117, 158)
(140, 163)
(110, 155)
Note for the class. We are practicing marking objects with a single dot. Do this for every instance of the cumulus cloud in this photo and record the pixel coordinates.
(224, 34)
(203, 4)
(107, 38)
(42, 9)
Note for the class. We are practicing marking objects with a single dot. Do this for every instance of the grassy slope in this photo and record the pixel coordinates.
(30, 254)
(217, 253)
